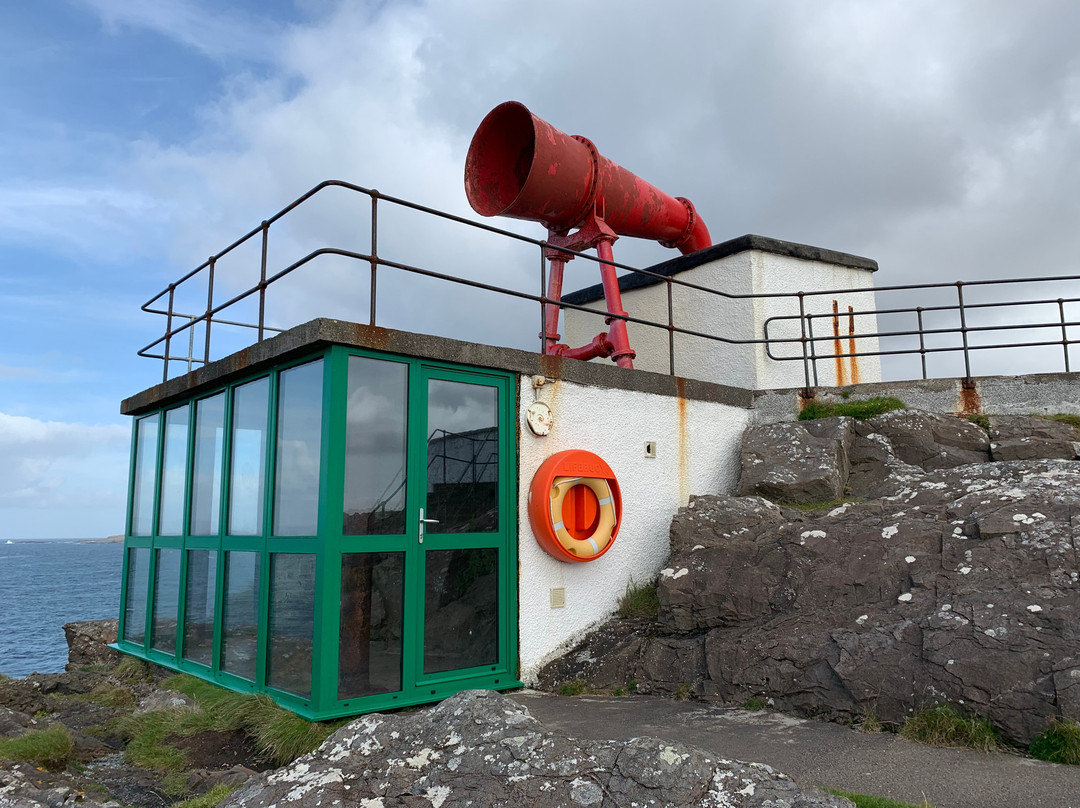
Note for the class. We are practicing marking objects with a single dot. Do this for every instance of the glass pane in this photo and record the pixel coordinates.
(173, 473)
(209, 449)
(240, 622)
(375, 447)
(372, 596)
(299, 428)
(199, 606)
(248, 471)
(142, 497)
(166, 601)
(463, 457)
(137, 591)
(292, 622)
(461, 609)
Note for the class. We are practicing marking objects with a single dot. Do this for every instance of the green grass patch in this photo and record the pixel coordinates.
(1063, 417)
(130, 669)
(1059, 743)
(980, 420)
(755, 703)
(49, 748)
(818, 506)
(867, 801)
(110, 696)
(682, 692)
(944, 725)
(639, 600)
(208, 800)
(860, 410)
(574, 688)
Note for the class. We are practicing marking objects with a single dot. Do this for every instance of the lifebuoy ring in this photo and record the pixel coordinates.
(575, 506)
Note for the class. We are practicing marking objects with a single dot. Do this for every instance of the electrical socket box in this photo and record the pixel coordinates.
(558, 598)
(650, 448)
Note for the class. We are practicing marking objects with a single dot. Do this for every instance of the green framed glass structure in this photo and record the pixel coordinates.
(337, 530)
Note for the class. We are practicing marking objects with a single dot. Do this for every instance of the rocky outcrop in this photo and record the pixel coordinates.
(806, 461)
(957, 583)
(88, 643)
(480, 748)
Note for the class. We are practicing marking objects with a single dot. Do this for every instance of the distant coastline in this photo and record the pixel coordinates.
(107, 540)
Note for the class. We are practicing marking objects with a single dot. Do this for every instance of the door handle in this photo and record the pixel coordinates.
(423, 522)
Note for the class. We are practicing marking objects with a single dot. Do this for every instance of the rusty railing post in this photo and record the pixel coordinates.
(670, 329)
(374, 252)
(543, 300)
(209, 311)
(1064, 333)
(262, 278)
(922, 340)
(168, 334)
(805, 360)
(964, 332)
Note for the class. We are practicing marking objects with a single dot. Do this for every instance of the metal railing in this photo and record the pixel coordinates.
(808, 345)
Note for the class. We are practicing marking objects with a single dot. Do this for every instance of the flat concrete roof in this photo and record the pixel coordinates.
(315, 334)
(717, 251)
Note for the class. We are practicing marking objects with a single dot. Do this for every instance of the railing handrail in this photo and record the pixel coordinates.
(806, 339)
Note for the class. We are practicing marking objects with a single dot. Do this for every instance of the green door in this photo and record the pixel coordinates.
(429, 553)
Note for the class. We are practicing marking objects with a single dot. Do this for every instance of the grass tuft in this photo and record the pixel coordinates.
(208, 800)
(1059, 743)
(130, 669)
(639, 600)
(682, 692)
(944, 725)
(574, 688)
(860, 410)
(754, 703)
(50, 747)
(869, 722)
(1063, 417)
(868, 801)
(980, 420)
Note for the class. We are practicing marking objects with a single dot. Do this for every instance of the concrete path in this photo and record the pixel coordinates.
(819, 753)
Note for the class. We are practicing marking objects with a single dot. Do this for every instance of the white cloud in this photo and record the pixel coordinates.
(61, 479)
(205, 27)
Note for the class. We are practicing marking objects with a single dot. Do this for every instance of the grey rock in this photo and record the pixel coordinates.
(482, 749)
(88, 643)
(931, 441)
(21, 786)
(202, 780)
(804, 461)
(12, 722)
(1025, 437)
(166, 700)
(962, 586)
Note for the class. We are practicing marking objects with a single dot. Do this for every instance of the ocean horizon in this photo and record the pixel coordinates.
(45, 583)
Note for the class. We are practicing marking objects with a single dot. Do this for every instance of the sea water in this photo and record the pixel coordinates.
(44, 584)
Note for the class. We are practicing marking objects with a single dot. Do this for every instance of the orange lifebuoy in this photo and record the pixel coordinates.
(575, 506)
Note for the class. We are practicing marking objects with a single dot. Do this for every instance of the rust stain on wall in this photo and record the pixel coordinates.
(852, 360)
(837, 348)
(969, 402)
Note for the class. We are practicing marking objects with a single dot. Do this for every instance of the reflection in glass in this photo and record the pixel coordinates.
(248, 469)
(461, 609)
(292, 622)
(375, 447)
(209, 448)
(240, 621)
(199, 606)
(299, 430)
(173, 473)
(372, 595)
(142, 497)
(136, 592)
(166, 601)
(463, 457)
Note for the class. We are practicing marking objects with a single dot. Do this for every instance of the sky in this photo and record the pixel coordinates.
(941, 138)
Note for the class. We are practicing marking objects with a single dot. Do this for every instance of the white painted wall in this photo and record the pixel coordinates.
(697, 453)
(744, 365)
